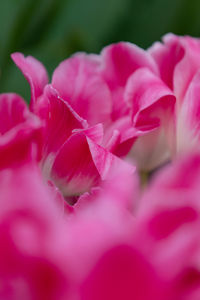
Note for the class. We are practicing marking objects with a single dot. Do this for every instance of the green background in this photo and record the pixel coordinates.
(51, 30)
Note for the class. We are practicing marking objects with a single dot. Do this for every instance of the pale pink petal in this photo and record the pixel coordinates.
(150, 150)
(34, 72)
(78, 83)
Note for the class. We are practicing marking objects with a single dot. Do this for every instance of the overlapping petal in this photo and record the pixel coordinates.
(78, 83)
(19, 130)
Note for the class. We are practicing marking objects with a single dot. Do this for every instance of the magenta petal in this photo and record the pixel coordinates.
(60, 120)
(73, 170)
(34, 72)
(78, 83)
(123, 273)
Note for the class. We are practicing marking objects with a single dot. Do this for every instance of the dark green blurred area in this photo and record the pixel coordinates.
(51, 30)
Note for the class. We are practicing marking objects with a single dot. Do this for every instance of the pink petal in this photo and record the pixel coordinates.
(188, 118)
(122, 273)
(13, 112)
(60, 120)
(152, 105)
(120, 136)
(159, 226)
(105, 162)
(35, 74)
(177, 185)
(178, 59)
(20, 131)
(78, 83)
(30, 267)
(86, 166)
(187, 67)
(167, 56)
(73, 170)
(149, 98)
(119, 61)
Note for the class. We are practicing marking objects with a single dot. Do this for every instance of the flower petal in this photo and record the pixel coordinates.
(167, 56)
(21, 132)
(152, 105)
(78, 83)
(119, 61)
(188, 118)
(34, 72)
(73, 170)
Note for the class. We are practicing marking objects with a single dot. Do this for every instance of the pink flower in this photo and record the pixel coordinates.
(112, 247)
(141, 98)
(98, 89)
(73, 155)
(124, 119)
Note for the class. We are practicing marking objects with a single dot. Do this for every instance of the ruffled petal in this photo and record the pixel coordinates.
(178, 59)
(167, 56)
(78, 82)
(152, 104)
(34, 72)
(73, 170)
(119, 61)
